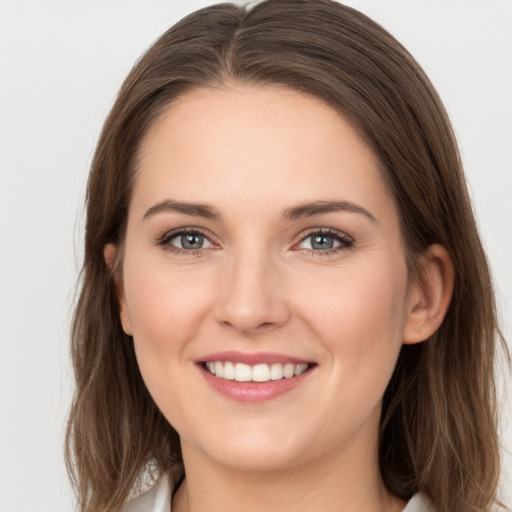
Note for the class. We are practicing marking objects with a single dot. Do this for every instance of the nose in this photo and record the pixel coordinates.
(251, 298)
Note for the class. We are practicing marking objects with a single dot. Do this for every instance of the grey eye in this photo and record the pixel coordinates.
(190, 241)
(325, 242)
(321, 242)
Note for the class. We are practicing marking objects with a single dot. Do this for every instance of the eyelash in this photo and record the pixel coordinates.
(164, 241)
(344, 240)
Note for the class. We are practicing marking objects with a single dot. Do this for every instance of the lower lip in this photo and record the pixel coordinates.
(253, 391)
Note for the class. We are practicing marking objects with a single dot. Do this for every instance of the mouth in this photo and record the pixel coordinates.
(254, 378)
(263, 372)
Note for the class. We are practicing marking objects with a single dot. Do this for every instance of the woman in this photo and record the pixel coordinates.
(285, 302)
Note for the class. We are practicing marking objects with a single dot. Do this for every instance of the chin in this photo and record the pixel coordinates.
(252, 453)
(258, 460)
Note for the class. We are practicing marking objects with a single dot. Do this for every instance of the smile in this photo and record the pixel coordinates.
(254, 377)
(263, 372)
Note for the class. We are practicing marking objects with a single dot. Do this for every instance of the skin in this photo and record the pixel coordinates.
(258, 285)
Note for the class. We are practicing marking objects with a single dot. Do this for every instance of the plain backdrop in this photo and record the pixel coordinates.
(61, 64)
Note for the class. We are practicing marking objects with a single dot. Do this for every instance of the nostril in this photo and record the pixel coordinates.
(265, 325)
(260, 327)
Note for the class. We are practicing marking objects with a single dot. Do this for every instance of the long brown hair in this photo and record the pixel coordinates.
(438, 427)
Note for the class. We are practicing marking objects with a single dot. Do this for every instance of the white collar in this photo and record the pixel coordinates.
(158, 499)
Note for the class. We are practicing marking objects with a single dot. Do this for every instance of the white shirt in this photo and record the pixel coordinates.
(158, 499)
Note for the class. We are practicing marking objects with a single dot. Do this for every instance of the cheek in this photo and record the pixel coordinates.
(359, 321)
(360, 314)
(167, 310)
(165, 307)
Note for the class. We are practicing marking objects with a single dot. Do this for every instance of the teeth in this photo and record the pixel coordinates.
(300, 368)
(228, 372)
(258, 373)
(261, 373)
(276, 371)
(288, 370)
(243, 372)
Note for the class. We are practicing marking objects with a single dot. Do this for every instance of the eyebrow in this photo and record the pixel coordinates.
(320, 207)
(297, 212)
(195, 209)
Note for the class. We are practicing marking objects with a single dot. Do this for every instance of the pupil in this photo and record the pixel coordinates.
(322, 242)
(192, 241)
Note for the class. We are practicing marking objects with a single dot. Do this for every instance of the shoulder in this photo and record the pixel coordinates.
(419, 503)
(156, 499)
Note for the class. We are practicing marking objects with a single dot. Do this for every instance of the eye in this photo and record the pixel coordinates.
(186, 240)
(325, 241)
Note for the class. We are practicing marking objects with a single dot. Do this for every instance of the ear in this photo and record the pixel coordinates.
(429, 295)
(112, 259)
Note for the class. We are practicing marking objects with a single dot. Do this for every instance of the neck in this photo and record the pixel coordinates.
(352, 484)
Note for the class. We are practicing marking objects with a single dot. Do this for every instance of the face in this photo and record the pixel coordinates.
(263, 246)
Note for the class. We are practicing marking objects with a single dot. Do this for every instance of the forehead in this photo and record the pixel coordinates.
(256, 142)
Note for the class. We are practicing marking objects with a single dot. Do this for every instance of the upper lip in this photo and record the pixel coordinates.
(251, 358)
